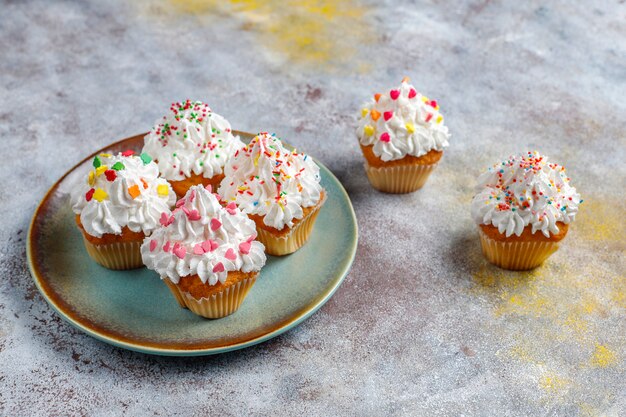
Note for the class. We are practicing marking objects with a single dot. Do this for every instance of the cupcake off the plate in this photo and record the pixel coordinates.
(191, 144)
(402, 137)
(119, 203)
(279, 189)
(523, 208)
(206, 254)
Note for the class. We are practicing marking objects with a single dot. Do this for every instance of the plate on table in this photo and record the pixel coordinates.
(135, 309)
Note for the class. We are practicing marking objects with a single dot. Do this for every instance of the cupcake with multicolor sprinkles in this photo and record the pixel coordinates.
(402, 137)
(523, 210)
(206, 254)
(279, 189)
(119, 204)
(191, 144)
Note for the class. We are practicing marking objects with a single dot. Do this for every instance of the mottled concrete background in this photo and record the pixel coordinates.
(422, 325)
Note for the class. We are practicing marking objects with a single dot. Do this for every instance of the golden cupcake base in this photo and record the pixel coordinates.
(399, 179)
(516, 256)
(118, 255)
(216, 305)
(295, 239)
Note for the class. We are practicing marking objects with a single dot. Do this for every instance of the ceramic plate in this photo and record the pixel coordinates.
(135, 310)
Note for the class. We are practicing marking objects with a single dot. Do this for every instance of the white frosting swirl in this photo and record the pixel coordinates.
(202, 237)
(402, 122)
(122, 191)
(267, 179)
(525, 190)
(191, 139)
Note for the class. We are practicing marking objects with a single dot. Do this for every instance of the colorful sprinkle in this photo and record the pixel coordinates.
(96, 162)
(134, 191)
(153, 245)
(110, 175)
(89, 194)
(377, 97)
(385, 137)
(118, 166)
(129, 152)
(179, 251)
(364, 112)
(375, 115)
(368, 130)
(230, 254)
(145, 158)
(387, 115)
(100, 195)
(215, 224)
(245, 247)
(394, 94)
(409, 127)
(219, 267)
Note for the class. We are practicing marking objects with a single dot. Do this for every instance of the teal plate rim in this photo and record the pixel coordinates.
(65, 309)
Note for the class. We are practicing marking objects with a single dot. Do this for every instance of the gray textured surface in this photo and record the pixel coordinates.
(422, 325)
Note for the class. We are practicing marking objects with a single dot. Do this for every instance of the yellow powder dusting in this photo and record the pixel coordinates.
(599, 220)
(603, 357)
(553, 383)
(314, 32)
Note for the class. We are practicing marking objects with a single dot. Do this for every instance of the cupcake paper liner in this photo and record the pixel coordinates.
(399, 179)
(121, 255)
(516, 256)
(294, 240)
(217, 305)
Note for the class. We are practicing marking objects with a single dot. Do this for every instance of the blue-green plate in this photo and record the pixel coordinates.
(135, 310)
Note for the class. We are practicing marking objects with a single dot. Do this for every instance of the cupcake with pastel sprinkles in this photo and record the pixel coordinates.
(402, 137)
(206, 254)
(120, 203)
(279, 189)
(191, 144)
(523, 210)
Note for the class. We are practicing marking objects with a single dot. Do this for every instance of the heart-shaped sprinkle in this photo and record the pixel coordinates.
(387, 115)
(433, 103)
(230, 208)
(153, 245)
(209, 245)
(406, 80)
(368, 130)
(252, 237)
(110, 174)
(129, 152)
(244, 247)
(428, 117)
(377, 97)
(219, 267)
(193, 215)
(412, 93)
(198, 250)
(230, 254)
(375, 115)
(179, 251)
(385, 137)
(166, 247)
(215, 224)
(394, 94)
(166, 220)
(180, 202)
(409, 127)
(89, 194)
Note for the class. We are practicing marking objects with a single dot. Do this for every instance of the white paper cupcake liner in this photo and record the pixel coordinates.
(217, 305)
(295, 239)
(122, 255)
(516, 256)
(399, 179)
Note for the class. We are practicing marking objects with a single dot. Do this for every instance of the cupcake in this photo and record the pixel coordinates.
(402, 137)
(191, 144)
(523, 210)
(118, 205)
(206, 254)
(279, 189)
